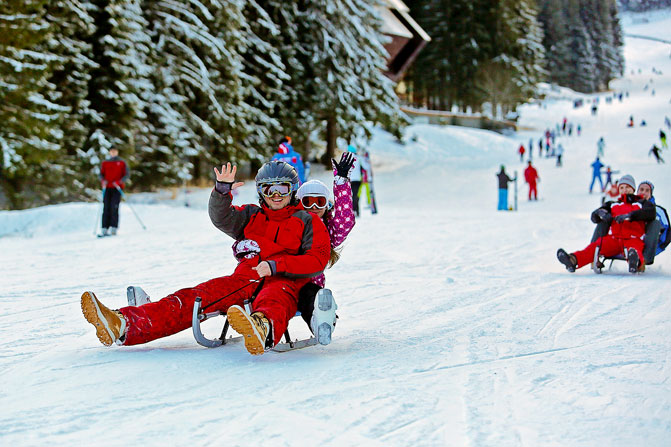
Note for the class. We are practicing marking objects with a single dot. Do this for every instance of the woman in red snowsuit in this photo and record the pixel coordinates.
(629, 216)
(287, 247)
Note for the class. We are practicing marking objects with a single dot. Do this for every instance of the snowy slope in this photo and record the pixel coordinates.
(457, 324)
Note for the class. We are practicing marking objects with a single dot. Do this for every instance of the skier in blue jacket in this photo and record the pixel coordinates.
(596, 174)
(287, 154)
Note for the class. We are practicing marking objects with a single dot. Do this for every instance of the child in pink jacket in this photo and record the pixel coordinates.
(316, 303)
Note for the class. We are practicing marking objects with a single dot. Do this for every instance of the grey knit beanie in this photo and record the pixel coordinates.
(628, 180)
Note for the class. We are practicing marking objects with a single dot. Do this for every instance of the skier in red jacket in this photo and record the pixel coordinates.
(286, 246)
(629, 216)
(531, 177)
(113, 173)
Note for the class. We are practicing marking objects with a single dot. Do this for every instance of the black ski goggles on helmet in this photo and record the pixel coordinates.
(319, 202)
(269, 189)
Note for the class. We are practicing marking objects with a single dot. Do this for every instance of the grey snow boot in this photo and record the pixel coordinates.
(136, 296)
(324, 317)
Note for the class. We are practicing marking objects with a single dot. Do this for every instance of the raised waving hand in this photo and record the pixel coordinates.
(227, 175)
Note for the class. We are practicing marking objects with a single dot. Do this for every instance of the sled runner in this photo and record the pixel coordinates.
(599, 262)
(198, 317)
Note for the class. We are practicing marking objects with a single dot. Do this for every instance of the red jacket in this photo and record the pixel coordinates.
(294, 241)
(640, 212)
(114, 171)
(530, 175)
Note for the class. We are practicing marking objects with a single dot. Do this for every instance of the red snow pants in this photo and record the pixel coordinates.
(278, 300)
(610, 246)
(532, 188)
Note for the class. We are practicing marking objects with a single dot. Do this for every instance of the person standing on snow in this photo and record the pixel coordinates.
(629, 216)
(285, 247)
(609, 176)
(560, 152)
(318, 308)
(287, 154)
(521, 151)
(531, 177)
(503, 188)
(367, 180)
(662, 137)
(600, 147)
(114, 173)
(596, 174)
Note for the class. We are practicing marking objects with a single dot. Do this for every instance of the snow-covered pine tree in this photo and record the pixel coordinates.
(583, 42)
(71, 27)
(341, 41)
(555, 40)
(30, 133)
(582, 57)
(160, 135)
(614, 54)
(461, 33)
(200, 74)
(515, 61)
(116, 103)
(427, 78)
(294, 111)
(264, 74)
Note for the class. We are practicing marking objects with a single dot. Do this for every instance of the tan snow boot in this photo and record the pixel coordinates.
(110, 324)
(254, 328)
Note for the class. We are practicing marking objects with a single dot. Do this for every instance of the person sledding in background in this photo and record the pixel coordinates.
(628, 217)
(114, 173)
(657, 230)
(287, 154)
(285, 247)
(318, 310)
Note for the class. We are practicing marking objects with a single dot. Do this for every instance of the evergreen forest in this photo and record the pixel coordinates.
(489, 55)
(179, 86)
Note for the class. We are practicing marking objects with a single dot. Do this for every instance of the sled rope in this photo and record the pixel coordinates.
(251, 281)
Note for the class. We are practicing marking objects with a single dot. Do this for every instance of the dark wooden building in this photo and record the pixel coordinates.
(407, 38)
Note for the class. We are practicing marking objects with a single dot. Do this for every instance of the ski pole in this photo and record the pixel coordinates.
(100, 212)
(129, 205)
(515, 190)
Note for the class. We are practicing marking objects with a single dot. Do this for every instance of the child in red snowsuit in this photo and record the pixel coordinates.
(287, 246)
(629, 216)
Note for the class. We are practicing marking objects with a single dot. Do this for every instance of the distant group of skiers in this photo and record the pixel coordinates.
(548, 143)
(282, 245)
